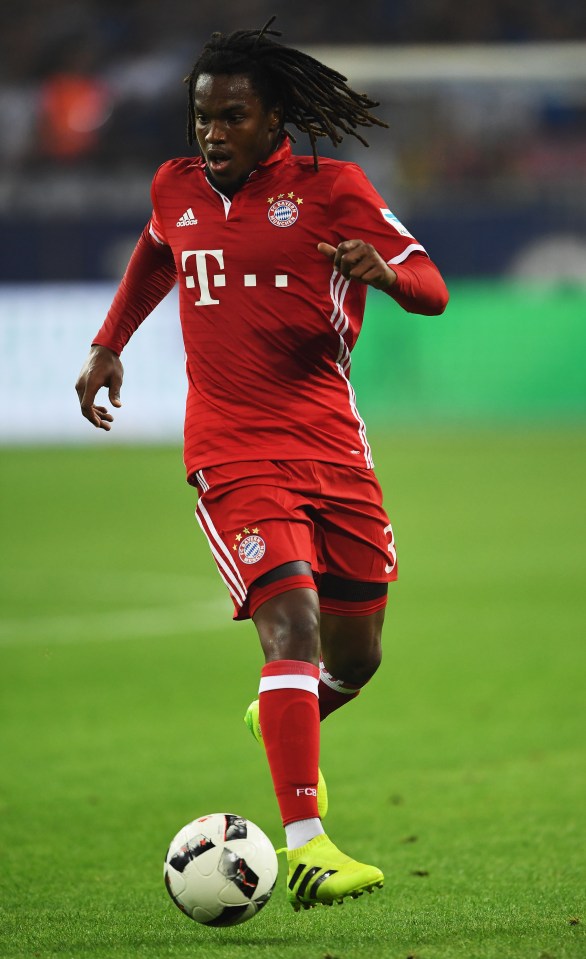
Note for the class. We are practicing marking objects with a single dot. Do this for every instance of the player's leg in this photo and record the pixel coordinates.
(351, 652)
(356, 549)
(257, 523)
(283, 578)
(288, 627)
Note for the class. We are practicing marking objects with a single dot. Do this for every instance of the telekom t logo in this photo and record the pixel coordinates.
(216, 260)
(205, 299)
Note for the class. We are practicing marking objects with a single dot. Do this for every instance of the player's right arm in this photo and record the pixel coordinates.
(102, 368)
(150, 275)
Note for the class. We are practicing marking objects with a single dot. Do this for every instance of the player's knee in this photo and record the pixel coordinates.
(353, 650)
(361, 668)
(288, 626)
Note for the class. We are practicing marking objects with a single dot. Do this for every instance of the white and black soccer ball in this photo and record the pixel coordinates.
(220, 869)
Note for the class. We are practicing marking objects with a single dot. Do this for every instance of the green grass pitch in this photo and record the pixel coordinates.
(460, 770)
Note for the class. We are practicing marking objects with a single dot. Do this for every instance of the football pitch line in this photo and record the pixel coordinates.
(119, 625)
(118, 582)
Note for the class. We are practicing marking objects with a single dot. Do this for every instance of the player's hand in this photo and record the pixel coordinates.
(102, 368)
(357, 260)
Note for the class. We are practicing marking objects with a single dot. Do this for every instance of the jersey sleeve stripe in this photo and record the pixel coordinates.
(405, 253)
(339, 320)
(362, 426)
(155, 237)
(343, 323)
(337, 281)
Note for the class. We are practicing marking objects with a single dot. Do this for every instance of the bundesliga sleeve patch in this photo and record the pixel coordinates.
(390, 217)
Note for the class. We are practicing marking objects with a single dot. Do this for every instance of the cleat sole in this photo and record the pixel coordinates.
(355, 894)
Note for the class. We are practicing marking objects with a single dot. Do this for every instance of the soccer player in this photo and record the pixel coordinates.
(273, 254)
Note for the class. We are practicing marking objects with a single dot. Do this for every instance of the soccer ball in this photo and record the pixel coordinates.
(220, 869)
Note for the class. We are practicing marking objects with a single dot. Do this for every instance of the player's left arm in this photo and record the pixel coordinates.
(416, 284)
(370, 245)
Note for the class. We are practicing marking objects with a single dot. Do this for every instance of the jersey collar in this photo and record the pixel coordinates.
(283, 152)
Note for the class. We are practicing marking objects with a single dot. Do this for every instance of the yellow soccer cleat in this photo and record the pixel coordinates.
(252, 721)
(319, 874)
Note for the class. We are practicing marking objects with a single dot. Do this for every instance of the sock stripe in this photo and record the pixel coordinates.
(308, 683)
(290, 666)
(346, 689)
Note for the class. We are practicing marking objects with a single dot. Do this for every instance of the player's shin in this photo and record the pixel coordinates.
(289, 718)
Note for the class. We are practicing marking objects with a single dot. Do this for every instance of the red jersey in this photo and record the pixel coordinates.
(268, 325)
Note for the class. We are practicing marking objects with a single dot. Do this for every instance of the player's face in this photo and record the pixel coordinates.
(234, 130)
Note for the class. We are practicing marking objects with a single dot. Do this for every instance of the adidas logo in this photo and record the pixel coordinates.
(188, 219)
(304, 883)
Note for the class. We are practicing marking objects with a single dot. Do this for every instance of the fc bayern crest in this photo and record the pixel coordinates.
(283, 213)
(251, 549)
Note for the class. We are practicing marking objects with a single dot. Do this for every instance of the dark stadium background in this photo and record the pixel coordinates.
(91, 101)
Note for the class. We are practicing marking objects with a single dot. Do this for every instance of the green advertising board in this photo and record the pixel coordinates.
(500, 351)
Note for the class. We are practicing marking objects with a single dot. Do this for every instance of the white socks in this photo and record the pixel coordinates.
(300, 832)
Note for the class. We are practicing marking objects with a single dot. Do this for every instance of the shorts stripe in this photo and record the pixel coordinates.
(287, 681)
(238, 587)
(236, 595)
(224, 549)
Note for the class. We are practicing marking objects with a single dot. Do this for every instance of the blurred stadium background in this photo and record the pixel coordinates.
(485, 160)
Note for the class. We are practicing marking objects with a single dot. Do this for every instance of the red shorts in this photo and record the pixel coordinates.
(258, 515)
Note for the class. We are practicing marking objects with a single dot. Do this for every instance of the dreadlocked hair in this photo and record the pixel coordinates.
(315, 99)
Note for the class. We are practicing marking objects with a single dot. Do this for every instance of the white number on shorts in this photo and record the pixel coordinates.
(392, 549)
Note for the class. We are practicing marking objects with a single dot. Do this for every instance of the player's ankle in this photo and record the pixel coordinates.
(303, 831)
